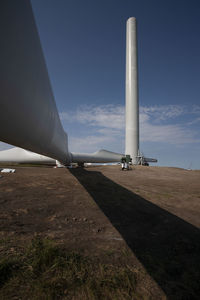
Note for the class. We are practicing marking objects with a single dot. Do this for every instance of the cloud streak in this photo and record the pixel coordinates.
(108, 116)
(164, 112)
(156, 124)
(97, 127)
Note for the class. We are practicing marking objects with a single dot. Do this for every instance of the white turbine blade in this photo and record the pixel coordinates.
(101, 156)
(21, 156)
(29, 117)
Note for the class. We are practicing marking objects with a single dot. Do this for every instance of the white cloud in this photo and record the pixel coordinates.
(163, 112)
(194, 121)
(109, 123)
(108, 116)
(195, 109)
(90, 143)
(106, 126)
(173, 134)
(64, 116)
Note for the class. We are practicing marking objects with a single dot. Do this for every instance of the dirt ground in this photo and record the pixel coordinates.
(148, 217)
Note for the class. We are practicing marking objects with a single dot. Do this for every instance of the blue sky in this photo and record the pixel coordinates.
(84, 48)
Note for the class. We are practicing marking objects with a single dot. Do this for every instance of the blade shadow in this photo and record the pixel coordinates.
(167, 246)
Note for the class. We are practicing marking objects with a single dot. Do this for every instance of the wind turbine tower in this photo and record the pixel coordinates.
(132, 107)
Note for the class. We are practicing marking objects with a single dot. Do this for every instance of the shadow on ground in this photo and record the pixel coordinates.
(167, 246)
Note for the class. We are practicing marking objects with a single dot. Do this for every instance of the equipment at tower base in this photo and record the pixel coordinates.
(126, 162)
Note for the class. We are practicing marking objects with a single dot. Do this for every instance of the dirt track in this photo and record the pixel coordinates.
(150, 214)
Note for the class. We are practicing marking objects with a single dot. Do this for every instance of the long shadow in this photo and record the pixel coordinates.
(167, 246)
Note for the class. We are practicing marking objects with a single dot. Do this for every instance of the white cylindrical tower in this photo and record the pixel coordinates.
(132, 109)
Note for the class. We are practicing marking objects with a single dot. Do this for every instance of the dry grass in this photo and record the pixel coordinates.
(44, 270)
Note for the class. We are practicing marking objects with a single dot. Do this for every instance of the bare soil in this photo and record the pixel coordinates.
(147, 218)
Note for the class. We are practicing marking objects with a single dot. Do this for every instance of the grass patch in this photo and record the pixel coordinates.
(45, 270)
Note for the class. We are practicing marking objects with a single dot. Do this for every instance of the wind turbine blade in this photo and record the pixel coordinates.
(101, 156)
(29, 117)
